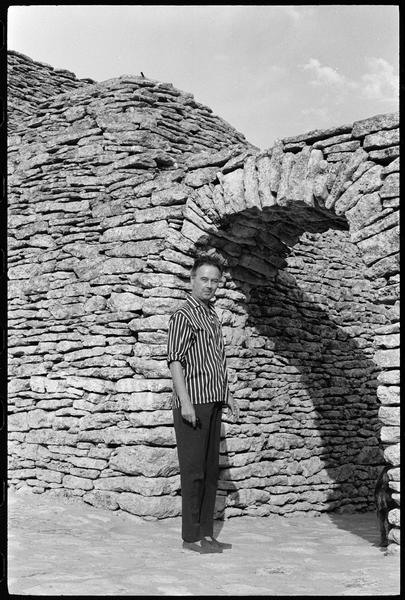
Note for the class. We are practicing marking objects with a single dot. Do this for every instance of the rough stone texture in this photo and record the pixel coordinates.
(29, 82)
(113, 188)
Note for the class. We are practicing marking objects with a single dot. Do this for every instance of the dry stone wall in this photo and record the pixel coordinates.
(29, 82)
(113, 189)
(305, 376)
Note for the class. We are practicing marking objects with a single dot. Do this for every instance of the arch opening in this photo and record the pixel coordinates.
(300, 352)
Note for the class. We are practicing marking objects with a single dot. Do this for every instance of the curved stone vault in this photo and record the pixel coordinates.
(113, 189)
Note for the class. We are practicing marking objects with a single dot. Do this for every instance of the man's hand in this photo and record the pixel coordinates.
(233, 407)
(188, 412)
(187, 409)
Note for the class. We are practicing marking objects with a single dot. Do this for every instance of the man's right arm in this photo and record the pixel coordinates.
(187, 409)
(180, 338)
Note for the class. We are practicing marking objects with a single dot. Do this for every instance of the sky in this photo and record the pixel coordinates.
(270, 71)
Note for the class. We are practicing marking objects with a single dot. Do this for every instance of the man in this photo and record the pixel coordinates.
(197, 362)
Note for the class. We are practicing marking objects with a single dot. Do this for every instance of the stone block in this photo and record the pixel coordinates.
(394, 517)
(206, 159)
(233, 191)
(388, 394)
(385, 266)
(48, 475)
(376, 123)
(390, 435)
(286, 166)
(366, 207)
(348, 146)
(384, 222)
(116, 436)
(73, 482)
(153, 323)
(389, 415)
(369, 182)
(276, 158)
(18, 422)
(145, 486)
(392, 454)
(389, 377)
(264, 179)
(250, 183)
(381, 139)
(91, 384)
(390, 188)
(388, 340)
(384, 155)
(304, 166)
(201, 176)
(150, 506)
(141, 401)
(125, 301)
(137, 232)
(318, 134)
(150, 418)
(387, 359)
(102, 499)
(38, 419)
(236, 162)
(392, 167)
(88, 463)
(343, 174)
(161, 306)
(146, 460)
(144, 385)
(247, 497)
(394, 535)
(394, 474)
(18, 385)
(49, 436)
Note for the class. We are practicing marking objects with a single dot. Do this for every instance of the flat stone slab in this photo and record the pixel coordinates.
(58, 547)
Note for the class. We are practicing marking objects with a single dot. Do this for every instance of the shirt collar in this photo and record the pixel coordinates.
(195, 303)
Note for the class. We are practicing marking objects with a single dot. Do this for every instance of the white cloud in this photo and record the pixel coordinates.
(380, 81)
(323, 75)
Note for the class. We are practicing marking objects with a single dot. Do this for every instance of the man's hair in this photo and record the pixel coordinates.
(207, 259)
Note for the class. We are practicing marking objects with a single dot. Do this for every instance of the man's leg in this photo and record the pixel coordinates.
(192, 450)
(211, 472)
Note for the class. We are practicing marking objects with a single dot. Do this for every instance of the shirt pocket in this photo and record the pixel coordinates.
(203, 335)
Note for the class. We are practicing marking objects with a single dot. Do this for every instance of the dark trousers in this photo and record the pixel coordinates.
(198, 452)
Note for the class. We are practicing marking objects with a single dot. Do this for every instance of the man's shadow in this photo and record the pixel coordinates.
(333, 396)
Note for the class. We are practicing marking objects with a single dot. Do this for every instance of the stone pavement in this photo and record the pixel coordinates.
(58, 547)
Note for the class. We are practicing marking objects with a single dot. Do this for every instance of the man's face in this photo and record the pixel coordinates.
(205, 282)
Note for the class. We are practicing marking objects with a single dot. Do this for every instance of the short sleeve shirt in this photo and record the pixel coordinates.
(195, 339)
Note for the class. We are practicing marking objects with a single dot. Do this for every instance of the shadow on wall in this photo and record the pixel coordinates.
(310, 383)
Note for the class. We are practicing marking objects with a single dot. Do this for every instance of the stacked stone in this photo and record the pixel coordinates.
(113, 189)
(29, 82)
(379, 241)
(304, 376)
(97, 187)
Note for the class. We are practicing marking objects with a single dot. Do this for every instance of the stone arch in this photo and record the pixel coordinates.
(255, 214)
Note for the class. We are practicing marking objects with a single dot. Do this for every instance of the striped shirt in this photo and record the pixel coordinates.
(195, 339)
